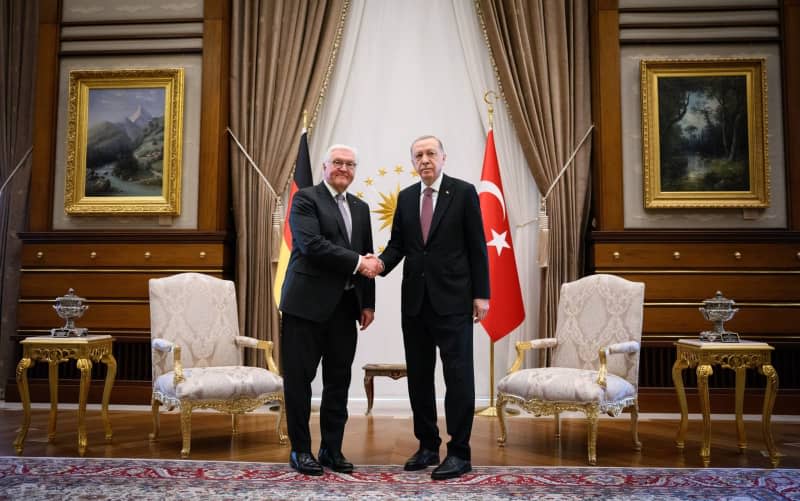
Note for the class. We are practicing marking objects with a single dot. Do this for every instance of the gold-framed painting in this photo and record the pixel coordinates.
(124, 142)
(704, 133)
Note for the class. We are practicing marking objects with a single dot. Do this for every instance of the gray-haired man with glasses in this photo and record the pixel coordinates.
(329, 287)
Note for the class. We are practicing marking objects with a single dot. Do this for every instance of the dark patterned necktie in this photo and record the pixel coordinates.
(426, 214)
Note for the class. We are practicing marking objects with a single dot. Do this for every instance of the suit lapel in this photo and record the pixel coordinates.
(413, 206)
(443, 199)
(355, 221)
(330, 202)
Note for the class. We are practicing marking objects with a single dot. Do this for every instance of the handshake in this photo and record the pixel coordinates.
(370, 265)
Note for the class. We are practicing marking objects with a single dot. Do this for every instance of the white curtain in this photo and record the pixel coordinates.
(406, 69)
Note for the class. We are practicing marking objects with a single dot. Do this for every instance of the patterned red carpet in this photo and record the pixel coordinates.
(111, 479)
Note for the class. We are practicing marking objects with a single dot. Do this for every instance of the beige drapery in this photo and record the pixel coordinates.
(282, 52)
(18, 33)
(541, 54)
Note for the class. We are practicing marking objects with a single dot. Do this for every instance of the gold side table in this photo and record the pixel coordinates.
(738, 357)
(55, 350)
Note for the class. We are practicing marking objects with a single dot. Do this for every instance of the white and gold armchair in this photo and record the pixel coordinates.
(598, 316)
(197, 354)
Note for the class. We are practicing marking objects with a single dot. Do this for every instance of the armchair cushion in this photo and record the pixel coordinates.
(219, 383)
(564, 384)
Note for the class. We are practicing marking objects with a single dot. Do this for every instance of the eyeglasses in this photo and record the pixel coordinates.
(342, 163)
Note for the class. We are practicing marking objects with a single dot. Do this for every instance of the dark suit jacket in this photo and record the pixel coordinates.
(453, 265)
(322, 259)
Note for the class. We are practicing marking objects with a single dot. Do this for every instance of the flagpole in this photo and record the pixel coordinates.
(490, 411)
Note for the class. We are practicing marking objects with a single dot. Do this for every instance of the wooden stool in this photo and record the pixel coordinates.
(394, 371)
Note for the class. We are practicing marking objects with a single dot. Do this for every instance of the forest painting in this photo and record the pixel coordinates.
(704, 134)
(124, 142)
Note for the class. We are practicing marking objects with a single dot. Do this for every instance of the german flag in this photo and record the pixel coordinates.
(302, 178)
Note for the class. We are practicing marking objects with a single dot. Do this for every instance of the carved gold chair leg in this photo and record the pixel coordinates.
(154, 404)
(591, 416)
(557, 418)
(186, 429)
(501, 417)
(637, 444)
(282, 438)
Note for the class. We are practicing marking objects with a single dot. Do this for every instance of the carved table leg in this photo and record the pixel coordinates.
(740, 377)
(85, 365)
(370, 389)
(703, 371)
(22, 383)
(52, 378)
(766, 413)
(111, 373)
(677, 381)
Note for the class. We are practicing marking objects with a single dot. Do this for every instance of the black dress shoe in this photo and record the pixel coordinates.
(451, 467)
(304, 462)
(421, 460)
(335, 461)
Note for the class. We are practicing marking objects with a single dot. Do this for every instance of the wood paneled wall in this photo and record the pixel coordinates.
(111, 268)
(759, 269)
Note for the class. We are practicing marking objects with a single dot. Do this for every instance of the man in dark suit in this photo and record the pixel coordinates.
(437, 228)
(322, 298)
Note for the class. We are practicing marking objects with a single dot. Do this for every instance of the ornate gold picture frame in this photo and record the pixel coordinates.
(124, 142)
(704, 133)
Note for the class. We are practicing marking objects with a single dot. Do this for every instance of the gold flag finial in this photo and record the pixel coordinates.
(490, 102)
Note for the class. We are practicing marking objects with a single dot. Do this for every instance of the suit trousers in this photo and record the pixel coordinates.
(452, 334)
(304, 344)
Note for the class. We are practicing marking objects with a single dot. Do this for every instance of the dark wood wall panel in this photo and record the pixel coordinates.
(115, 285)
(790, 30)
(758, 268)
(45, 111)
(40, 284)
(739, 255)
(697, 286)
(607, 115)
(131, 255)
(753, 320)
(214, 180)
(131, 315)
(110, 268)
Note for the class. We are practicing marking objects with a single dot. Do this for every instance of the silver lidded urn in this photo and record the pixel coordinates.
(69, 307)
(719, 310)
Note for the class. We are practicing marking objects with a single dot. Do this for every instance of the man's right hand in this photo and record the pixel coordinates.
(370, 266)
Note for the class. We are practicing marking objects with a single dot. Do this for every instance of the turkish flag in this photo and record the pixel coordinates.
(506, 310)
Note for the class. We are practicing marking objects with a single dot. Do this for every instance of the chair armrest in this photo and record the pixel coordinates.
(260, 344)
(533, 344)
(626, 347)
(162, 345)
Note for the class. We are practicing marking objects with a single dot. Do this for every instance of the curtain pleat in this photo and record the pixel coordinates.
(541, 52)
(281, 55)
(18, 32)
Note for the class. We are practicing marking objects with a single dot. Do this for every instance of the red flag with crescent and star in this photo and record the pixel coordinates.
(506, 310)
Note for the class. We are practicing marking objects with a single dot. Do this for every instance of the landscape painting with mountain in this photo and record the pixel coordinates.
(125, 142)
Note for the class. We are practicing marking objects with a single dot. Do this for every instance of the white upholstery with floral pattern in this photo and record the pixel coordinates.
(595, 358)
(197, 353)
